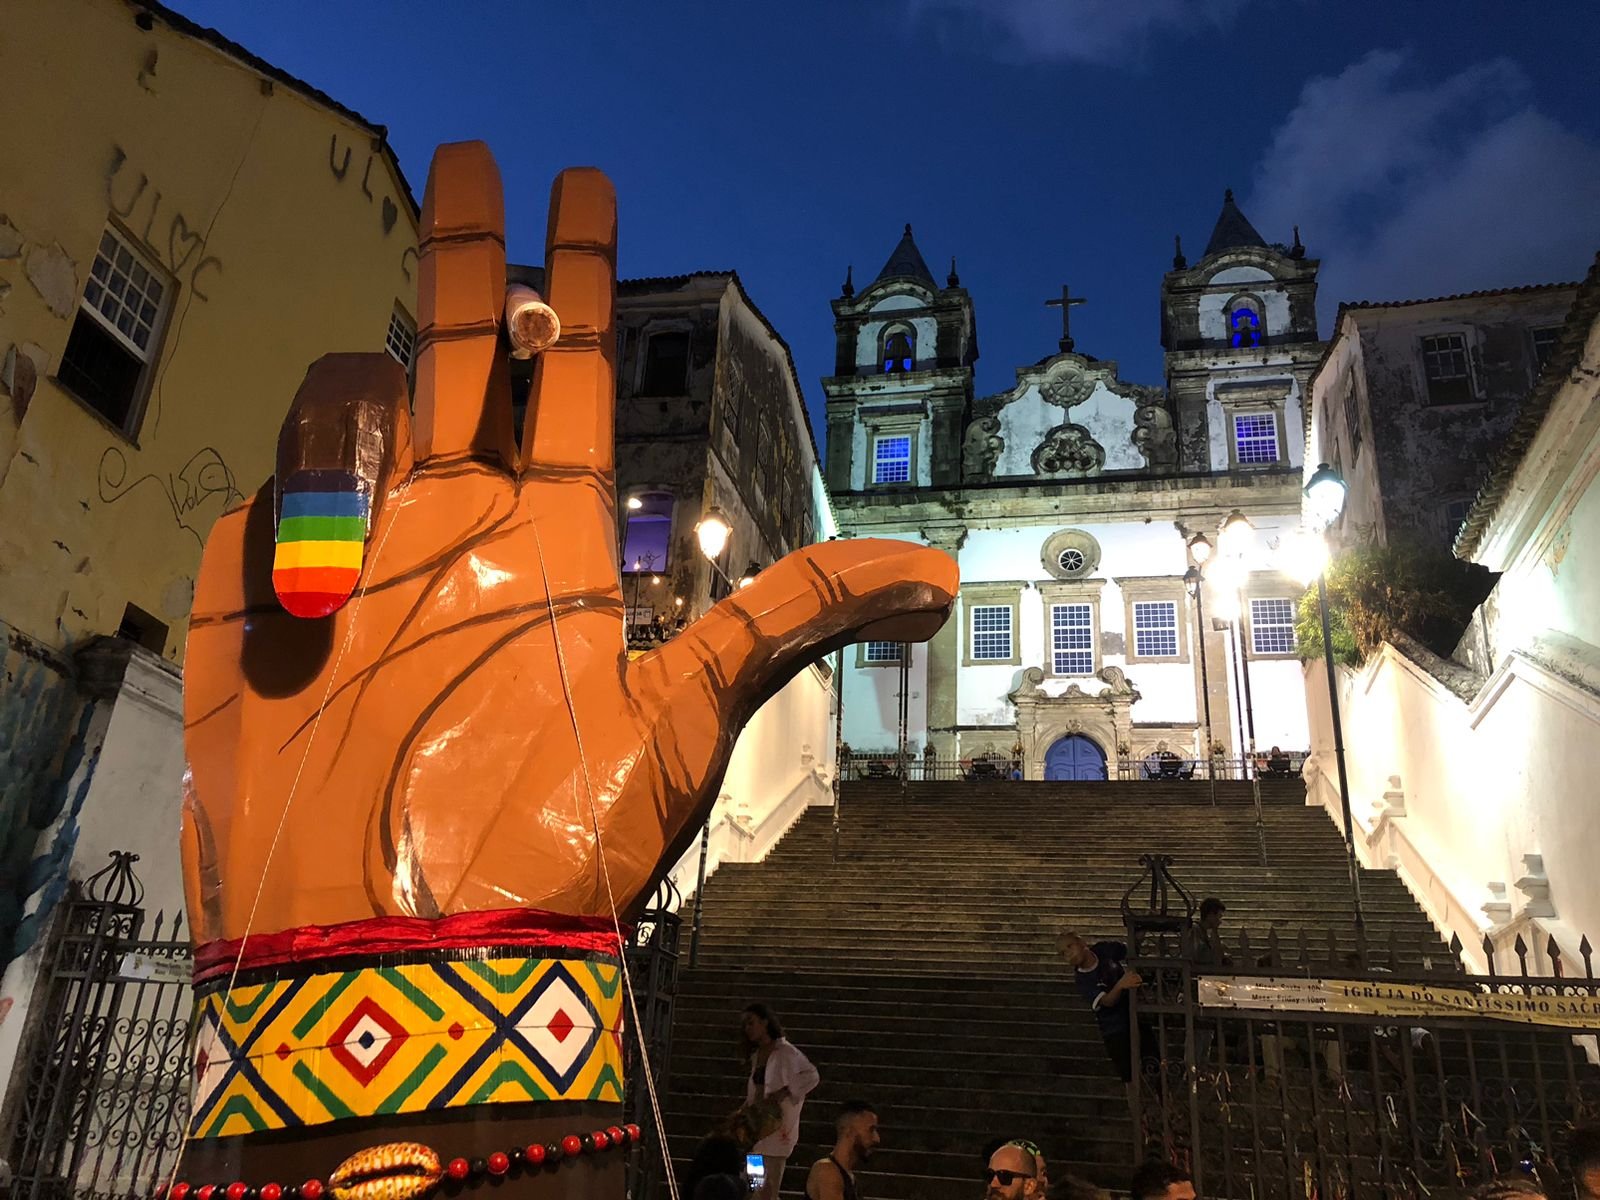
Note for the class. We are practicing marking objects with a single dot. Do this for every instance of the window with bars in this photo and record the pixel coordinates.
(1352, 419)
(1155, 628)
(1272, 626)
(126, 301)
(1072, 639)
(881, 652)
(1446, 367)
(891, 459)
(1255, 438)
(1455, 514)
(991, 631)
(1544, 344)
(401, 340)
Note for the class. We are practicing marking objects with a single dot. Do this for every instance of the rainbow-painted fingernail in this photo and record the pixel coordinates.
(322, 533)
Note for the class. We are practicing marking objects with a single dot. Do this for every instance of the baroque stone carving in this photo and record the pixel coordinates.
(1031, 679)
(1154, 436)
(1066, 384)
(1068, 450)
(981, 449)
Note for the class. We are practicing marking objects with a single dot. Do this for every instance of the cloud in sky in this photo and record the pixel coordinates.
(1085, 30)
(1410, 188)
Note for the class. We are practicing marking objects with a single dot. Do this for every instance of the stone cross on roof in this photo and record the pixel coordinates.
(1065, 304)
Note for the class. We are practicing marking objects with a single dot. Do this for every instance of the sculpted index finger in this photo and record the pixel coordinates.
(463, 401)
(572, 407)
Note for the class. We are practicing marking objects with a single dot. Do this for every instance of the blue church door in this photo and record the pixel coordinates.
(1075, 757)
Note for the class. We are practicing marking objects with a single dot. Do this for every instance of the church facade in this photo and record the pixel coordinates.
(1075, 503)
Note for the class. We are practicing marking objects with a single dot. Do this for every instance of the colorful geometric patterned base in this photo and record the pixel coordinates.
(325, 1044)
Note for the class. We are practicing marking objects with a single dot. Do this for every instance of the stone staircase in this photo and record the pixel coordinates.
(918, 971)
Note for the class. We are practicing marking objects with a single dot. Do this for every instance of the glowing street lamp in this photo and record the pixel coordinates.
(750, 574)
(713, 533)
(1200, 549)
(1235, 536)
(635, 504)
(1325, 495)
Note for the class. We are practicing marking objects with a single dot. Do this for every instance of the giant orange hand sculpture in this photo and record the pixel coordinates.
(412, 820)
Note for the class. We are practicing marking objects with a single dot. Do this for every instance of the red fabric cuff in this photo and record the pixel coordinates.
(518, 927)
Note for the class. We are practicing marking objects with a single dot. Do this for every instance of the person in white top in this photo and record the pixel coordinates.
(779, 1074)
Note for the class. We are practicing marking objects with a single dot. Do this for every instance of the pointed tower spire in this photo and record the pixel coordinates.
(1233, 229)
(907, 262)
(1179, 262)
(849, 288)
(1297, 250)
(952, 279)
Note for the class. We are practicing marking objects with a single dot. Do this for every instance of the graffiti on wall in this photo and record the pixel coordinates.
(45, 766)
(179, 243)
(204, 482)
(341, 159)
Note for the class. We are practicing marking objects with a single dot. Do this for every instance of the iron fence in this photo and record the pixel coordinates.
(1175, 766)
(1329, 1066)
(859, 765)
(106, 1088)
(105, 1092)
(653, 954)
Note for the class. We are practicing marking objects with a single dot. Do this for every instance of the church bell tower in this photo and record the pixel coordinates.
(1240, 332)
(901, 390)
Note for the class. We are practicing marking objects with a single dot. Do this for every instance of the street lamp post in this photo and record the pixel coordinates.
(1235, 540)
(1193, 583)
(1325, 495)
(713, 533)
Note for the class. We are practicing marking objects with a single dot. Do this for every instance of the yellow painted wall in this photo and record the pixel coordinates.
(275, 259)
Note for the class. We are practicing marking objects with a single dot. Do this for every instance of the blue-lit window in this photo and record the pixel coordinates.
(1072, 639)
(882, 652)
(899, 350)
(649, 538)
(1155, 628)
(891, 460)
(1272, 626)
(991, 631)
(1255, 438)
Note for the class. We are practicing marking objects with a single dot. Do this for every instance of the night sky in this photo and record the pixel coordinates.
(1423, 148)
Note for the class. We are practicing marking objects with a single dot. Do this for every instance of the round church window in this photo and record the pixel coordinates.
(1070, 554)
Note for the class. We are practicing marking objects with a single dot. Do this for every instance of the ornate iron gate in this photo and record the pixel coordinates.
(653, 964)
(1383, 1091)
(106, 1092)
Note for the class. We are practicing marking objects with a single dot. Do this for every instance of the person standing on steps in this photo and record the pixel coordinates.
(856, 1136)
(1104, 980)
(780, 1079)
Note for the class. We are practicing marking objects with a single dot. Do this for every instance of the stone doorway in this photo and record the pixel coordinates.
(1075, 757)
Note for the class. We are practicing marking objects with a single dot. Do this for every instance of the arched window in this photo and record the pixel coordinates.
(649, 541)
(1244, 323)
(899, 349)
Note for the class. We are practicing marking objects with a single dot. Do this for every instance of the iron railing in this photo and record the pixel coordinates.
(653, 954)
(1174, 766)
(105, 1094)
(1325, 1065)
(858, 765)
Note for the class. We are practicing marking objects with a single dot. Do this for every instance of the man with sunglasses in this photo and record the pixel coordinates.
(1014, 1174)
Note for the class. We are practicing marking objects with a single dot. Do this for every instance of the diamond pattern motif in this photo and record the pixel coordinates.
(313, 1048)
